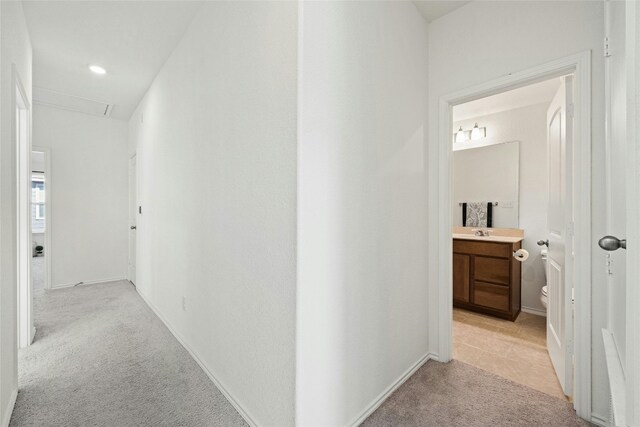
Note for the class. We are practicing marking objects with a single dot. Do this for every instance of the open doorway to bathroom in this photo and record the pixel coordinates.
(40, 230)
(511, 203)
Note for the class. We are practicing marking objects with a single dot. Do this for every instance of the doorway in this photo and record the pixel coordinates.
(577, 348)
(40, 218)
(506, 163)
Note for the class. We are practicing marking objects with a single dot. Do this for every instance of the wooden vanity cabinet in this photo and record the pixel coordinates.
(486, 277)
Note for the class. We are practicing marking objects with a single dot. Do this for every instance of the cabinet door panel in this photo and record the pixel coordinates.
(461, 277)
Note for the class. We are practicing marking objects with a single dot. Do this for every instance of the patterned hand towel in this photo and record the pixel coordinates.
(477, 214)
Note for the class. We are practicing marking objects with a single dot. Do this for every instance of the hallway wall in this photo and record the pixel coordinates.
(89, 184)
(215, 140)
(362, 300)
(503, 37)
(15, 49)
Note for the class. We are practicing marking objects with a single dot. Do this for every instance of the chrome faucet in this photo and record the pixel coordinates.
(481, 232)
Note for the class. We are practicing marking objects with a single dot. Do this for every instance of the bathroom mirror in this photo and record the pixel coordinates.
(488, 174)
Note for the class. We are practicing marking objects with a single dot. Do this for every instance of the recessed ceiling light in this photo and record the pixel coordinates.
(97, 69)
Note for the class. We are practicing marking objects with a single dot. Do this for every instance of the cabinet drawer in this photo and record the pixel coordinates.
(491, 296)
(496, 270)
(501, 250)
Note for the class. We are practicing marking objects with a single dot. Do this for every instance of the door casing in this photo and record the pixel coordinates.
(22, 143)
(441, 265)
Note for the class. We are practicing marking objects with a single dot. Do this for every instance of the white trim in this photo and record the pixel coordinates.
(242, 411)
(536, 311)
(133, 160)
(375, 404)
(89, 282)
(632, 350)
(9, 409)
(47, 210)
(616, 378)
(580, 66)
(599, 420)
(23, 208)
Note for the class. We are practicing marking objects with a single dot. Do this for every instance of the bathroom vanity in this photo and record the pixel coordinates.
(486, 276)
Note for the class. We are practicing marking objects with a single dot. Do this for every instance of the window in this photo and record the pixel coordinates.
(37, 203)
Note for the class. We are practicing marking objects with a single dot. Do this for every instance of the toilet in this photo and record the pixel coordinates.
(543, 292)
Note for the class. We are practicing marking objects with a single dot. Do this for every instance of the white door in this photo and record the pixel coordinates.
(621, 337)
(133, 209)
(559, 261)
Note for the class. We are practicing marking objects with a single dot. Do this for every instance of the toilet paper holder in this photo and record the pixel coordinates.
(521, 255)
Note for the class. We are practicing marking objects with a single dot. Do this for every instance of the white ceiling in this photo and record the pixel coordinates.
(432, 10)
(522, 97)
(130, 39)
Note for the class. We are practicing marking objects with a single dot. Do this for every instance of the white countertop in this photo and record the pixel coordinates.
(499, 239)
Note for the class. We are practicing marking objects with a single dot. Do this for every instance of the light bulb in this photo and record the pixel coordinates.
(476, 134)
(460, 135)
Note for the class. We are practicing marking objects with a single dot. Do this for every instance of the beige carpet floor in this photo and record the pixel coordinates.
(101, 357)
(457, 394)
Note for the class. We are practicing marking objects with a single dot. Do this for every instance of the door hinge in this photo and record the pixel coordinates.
(570, 229)
(570, 346)
(570, 110)
(607, 48)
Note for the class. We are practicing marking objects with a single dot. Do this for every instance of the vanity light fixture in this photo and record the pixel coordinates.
(469, 135)
(97, 69)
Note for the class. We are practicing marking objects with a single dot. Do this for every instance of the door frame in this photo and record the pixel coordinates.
(47, 210)
(580, 66)
(632, 373)
(22, 146)
(133, 160)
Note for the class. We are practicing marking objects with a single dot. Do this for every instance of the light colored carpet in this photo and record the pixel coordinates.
(102, 358)
(457, 394)
(38, 272)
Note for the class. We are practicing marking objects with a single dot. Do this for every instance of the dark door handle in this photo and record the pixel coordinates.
(610, 243)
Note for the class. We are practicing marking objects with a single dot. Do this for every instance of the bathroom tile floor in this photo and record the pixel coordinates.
(513, 350)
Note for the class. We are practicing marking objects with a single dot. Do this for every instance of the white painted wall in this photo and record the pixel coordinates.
(487, 174)
(503, 37)
(89, 179)
(362, 300)
(15, 49)
(527, 125)
(215, 138)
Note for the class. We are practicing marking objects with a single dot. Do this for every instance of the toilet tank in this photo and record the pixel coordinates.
(543, 254)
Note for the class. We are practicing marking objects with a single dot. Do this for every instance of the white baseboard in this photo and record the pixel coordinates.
(535, 311)
(370, 409)
(9, 409)
(599, 420)
(242, 411)
(90, 282)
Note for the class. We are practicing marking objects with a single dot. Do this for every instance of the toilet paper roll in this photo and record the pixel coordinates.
(521, 255)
